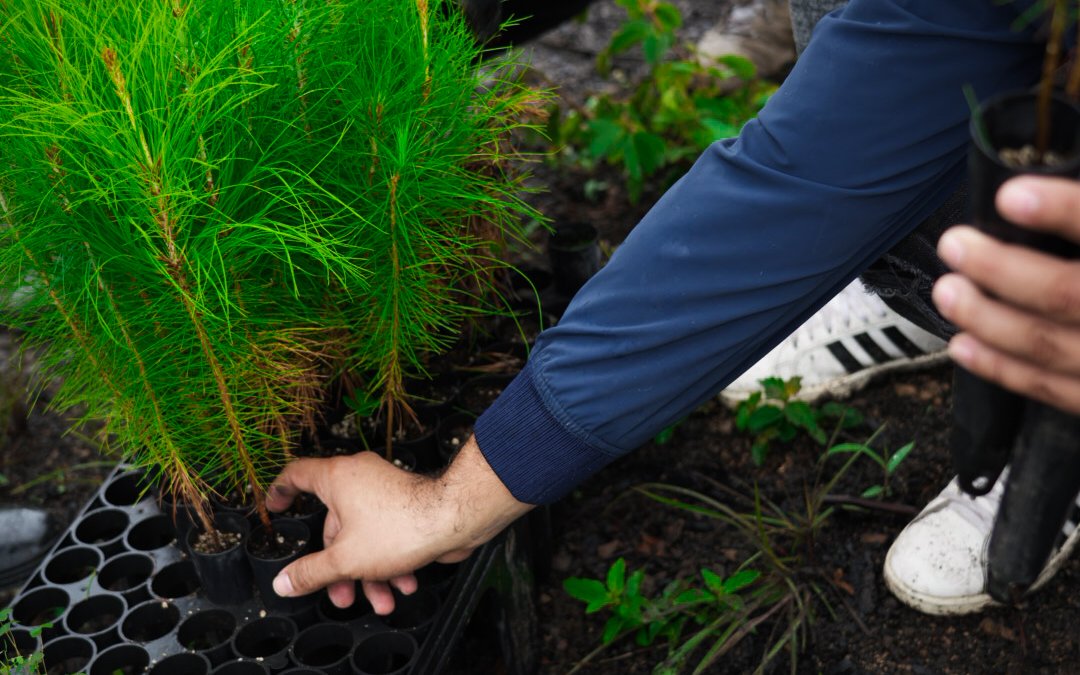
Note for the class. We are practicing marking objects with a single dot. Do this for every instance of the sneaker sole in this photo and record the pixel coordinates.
(846, 385)
(969, 604)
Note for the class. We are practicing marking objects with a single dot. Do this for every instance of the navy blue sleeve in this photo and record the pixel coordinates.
(865, 138)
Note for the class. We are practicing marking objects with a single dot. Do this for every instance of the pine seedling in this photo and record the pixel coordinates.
(209, 211)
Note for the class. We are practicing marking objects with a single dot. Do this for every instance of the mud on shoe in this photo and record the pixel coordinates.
(848, 342)
(937, 564)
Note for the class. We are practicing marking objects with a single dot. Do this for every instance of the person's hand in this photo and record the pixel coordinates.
(383, 523)
(1018, 309)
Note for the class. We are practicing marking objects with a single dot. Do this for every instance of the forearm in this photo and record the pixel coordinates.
(474, 504)
(758, 235)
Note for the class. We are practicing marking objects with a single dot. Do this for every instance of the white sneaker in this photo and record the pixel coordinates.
(937, 564)
(852, 339)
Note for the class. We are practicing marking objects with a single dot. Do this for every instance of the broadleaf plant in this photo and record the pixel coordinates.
(211, 211)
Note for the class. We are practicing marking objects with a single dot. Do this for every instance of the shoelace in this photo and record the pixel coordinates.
(978, 511)
(852, 304)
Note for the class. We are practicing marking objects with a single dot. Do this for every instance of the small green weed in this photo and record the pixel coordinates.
(11, 661)
(669, 116)
(888, 461)
(774, 414)
(717, 604)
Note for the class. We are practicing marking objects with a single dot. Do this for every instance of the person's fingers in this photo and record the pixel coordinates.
(1043, 203)
(406, 583)
(308, 574)
(298, 476)
(1016, 274)
(331, 528)
(1052, 388)
(379, 595)
(342, 593)
(1026, 336)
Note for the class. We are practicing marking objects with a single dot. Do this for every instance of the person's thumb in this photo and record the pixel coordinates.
(307, 575)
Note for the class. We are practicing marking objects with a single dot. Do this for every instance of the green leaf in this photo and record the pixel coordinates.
(664, 436)
(874, 491)
(668, 15)
(786, 432)
(758, 451)
(604, 136)
(653, 46)
(612, 629)
(801, 415)
(775, 388)
(630, 34)
(899, 457)
(740, 580)
(616, 577)
(764, 417)
(856, 448)
(713, 581)
(589, 591)
(740, 66)
(650, 151)
(718, 129)
(633, 584)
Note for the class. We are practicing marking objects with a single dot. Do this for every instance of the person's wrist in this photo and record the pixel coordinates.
(473, 503)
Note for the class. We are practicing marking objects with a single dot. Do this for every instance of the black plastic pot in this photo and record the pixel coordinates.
(992, 425)
(209, 633)
(120, 659)
(265, 569)
(127, 574)
(241, 668)
(384, 654)
(68, 654)
(176, 580)
(311, 512)
(18, 641)
(575, 256)
(97, 618)
(41, 606)
(127, 489)
(1009, 121)
(103, 529)
(150, 621)
(72, 565)
(151, 534)
(226, 576)
(267, 639)
(182, 664)
(413, 613)
(1042, 486)
(324, 646)
(180, 515)
(328, 612)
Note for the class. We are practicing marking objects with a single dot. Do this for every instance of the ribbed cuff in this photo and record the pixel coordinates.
(534, 456)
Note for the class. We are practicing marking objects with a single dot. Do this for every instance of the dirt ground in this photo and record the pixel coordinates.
(862, 630)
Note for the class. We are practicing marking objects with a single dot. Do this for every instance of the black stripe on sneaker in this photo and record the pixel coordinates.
(872, 348)
(849, 362)
(910, 349)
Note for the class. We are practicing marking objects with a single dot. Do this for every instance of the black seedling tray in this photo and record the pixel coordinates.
(116, 587)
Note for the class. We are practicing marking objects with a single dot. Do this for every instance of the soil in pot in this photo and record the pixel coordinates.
(220, 560)
(270, 552)
(68, 654)
(276, 545)
(480, 392)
